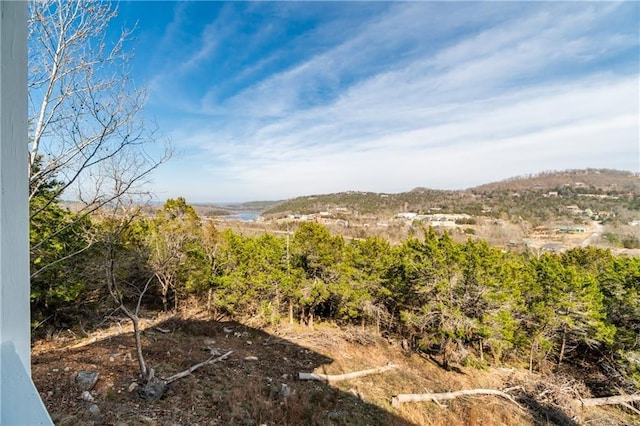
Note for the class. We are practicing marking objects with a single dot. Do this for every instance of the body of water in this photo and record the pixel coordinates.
(246, 216)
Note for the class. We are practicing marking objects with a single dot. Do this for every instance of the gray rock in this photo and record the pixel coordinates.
(86, 380)
(285, 390)
(335, 415)
(152, 391)
(86, 396)
(94, 410)
(96, 415)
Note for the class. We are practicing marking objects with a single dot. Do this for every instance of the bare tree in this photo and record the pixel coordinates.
(85, 110)
(115, 223)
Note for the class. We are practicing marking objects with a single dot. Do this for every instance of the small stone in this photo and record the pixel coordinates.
(285, 376)
(55, 370)
(111, 359)
(66, 369)
(285, 390)
(86, 396)
(133, 386)
(50, 394)
(94, 410)
(334, 415)
(86, 380)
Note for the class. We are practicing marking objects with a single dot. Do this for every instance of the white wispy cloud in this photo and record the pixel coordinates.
(514, 96)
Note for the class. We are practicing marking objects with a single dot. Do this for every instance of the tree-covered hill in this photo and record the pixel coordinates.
(600, 180)
(535, 197)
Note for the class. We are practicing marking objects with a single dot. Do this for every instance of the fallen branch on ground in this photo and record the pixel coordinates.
(396, 400)
(623, 400)
(630, 407)
(195, 367)
(347, 376)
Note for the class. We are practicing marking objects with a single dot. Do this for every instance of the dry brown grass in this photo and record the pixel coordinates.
(243, 392)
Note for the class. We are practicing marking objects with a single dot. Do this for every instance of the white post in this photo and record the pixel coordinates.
(20, 403)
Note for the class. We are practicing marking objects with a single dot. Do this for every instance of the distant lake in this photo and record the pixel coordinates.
(246, 216)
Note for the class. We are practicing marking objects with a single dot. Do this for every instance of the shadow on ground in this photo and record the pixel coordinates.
(240, 390)
(545, 414)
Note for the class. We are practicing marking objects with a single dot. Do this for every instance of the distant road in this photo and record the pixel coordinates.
(596, 234)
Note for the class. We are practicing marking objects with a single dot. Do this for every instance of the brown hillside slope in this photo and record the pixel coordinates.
(264, 390)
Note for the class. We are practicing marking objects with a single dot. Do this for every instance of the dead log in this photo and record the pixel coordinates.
(347, 376)
(623, 400)
(188, 371)
(396, 400)
(630, 408)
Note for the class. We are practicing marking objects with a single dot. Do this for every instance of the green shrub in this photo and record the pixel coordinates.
(631, 242)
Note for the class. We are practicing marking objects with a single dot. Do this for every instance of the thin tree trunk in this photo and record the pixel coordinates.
(275, 313)
(290, 311)
(446, 353)
(145, 373)
(533, 344)
(164, 290)
(564, 344)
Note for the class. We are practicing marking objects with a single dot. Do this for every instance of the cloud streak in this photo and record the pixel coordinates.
(423, 94)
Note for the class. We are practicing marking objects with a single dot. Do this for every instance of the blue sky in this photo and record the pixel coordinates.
(271, 100)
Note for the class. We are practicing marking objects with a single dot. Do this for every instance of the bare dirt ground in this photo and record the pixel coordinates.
(257, 384)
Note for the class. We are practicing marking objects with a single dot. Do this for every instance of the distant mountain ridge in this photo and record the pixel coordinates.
(601, 179)
(474, 200)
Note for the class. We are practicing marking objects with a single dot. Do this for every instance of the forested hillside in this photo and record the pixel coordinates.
(535, 198)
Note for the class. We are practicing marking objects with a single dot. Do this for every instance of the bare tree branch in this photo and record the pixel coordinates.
(190, 370)
(347, 376)
(396, 400)
(87, 131)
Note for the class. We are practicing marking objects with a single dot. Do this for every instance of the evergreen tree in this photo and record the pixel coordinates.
(317, 254)
(173, 233)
